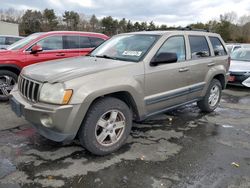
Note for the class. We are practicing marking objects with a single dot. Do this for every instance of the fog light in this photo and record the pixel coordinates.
(46, 121)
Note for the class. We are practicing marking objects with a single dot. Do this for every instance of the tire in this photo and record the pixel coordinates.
(207, 104)
(95, 133)
(7, 81)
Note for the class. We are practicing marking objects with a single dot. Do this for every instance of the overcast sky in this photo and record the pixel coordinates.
(170, 12)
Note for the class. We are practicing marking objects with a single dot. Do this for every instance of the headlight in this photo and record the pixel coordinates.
(55, 94)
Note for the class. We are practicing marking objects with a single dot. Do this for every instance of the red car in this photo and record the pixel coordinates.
(40, 47)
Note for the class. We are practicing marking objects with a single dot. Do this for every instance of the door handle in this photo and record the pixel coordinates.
(183, 69)
(60, 54)
(210, 64)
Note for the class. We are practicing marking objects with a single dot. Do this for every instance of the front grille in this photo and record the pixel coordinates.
(29, 88)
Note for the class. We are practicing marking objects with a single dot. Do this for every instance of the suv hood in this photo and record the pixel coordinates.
(70, 68)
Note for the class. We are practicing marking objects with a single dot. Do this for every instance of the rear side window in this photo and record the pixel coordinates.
(76, 42)
(199, 47)
(218, 47)
(96, 41)
(85, 42)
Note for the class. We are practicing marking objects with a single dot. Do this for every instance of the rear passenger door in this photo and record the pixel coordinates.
(199, 61)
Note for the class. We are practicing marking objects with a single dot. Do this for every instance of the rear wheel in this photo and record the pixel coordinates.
(106, 126)
(212, 98)
(7, 81)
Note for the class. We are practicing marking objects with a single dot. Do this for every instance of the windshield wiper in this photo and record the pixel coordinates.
(105, 56)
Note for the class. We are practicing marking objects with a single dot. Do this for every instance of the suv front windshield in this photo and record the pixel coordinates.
(23, 42)
(241, 55)
(130, 47)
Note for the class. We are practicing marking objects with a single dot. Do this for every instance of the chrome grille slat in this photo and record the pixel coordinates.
(21, 86)
(33, 92)
(25, 87)
(29, 88)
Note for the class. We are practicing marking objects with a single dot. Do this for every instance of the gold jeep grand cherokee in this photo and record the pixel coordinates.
(130, 77)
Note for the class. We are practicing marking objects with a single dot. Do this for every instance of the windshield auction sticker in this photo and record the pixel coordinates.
(132, 53)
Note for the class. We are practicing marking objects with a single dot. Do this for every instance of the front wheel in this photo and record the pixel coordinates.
(212, 98)
(7, 81)
(106, 126)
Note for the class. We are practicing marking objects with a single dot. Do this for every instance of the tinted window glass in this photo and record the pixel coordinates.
(175, 45)
(2, 40)
(76, 42)
(199, 47)
(217, 46)
(71, 42)
(96, 41)
(51, 43)
(85, 42)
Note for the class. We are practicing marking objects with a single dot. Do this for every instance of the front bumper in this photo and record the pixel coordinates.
(55, 122)
(237, 78)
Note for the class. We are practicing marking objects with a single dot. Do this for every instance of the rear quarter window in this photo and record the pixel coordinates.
(199, 47)
(219, 49)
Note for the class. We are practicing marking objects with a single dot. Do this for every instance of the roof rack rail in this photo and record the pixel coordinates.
(188, 28)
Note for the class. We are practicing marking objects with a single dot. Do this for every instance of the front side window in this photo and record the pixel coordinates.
(51, 43)
(199, 47)
(96, 41)
(129, 47)
(176, 45)
(218, 47)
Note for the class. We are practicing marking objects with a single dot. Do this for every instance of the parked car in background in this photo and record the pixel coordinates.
(240, 67)
(130, 77)
(7, 40)
(41, 47)
(231, 47)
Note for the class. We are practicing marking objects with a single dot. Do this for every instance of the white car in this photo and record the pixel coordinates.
(240, 68)
(7, 40)
(232, 47)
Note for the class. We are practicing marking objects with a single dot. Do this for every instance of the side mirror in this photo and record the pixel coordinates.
(164, 58)
(36, 48)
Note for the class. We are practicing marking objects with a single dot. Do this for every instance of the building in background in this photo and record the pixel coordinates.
(9, 28)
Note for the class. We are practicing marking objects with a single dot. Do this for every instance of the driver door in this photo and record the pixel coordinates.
(165, 84)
